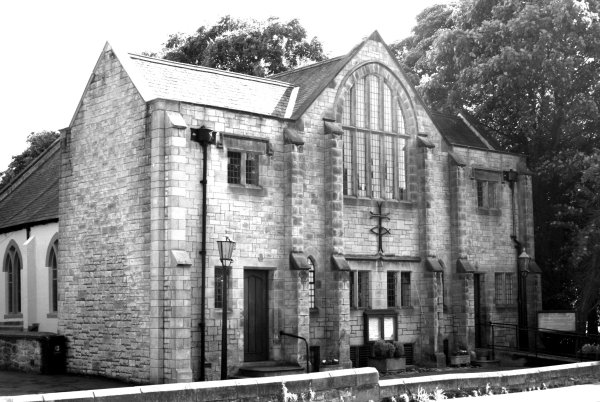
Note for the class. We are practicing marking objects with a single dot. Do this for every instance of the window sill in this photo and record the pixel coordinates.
(247, 190)
(52, 315)
(352, 201)
(13, 316)
(488, 211)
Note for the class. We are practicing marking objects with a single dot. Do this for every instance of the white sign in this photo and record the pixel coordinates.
(557, 320)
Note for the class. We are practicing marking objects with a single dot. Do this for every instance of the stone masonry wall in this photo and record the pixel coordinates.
(104, 228)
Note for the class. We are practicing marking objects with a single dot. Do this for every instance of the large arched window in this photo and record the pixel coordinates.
(52, 265)
(12, 267)
(374, 141)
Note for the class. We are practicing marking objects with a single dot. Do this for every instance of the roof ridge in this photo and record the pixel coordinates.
(319, 63)
(210, 70)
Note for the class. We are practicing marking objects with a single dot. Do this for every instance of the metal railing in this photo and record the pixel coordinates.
(538, 342)
(282, 333)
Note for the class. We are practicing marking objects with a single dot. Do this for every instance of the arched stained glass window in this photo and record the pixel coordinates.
(374, 141)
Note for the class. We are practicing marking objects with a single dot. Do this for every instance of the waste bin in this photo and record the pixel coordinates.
(54, 354)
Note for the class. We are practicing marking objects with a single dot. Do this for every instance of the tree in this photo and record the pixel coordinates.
(248, 47)
(530, 72)
(38, 143)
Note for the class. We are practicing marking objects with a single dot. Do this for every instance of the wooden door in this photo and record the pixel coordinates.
(256, 323)
(477, 308)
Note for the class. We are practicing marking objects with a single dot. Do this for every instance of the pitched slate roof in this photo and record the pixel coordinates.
(457, 132)
(33, 196)
(164, 79)
(312, 80)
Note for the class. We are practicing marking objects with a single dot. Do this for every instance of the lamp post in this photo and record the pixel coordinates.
(226, 248)
(523, 263)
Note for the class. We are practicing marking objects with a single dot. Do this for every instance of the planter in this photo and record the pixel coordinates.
(388, 364)
(460, 360)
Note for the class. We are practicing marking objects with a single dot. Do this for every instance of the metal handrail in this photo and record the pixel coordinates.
(563, 343)
(281, 333)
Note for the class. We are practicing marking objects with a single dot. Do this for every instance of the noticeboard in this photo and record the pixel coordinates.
(563, 320)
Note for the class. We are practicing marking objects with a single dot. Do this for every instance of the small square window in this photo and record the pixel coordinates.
(487, 194)
(243, 168)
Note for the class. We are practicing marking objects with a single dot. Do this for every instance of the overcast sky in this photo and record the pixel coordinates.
(49, 48)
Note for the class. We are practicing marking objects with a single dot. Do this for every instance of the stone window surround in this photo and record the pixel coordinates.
(482, 179)
(504, 292)
(12, 255)
(359, 300)
(245, 146)
(370, 137)
(399, 89)
(401, 291)
(52, 264)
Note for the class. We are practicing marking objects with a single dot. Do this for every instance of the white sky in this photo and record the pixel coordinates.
(49, 48)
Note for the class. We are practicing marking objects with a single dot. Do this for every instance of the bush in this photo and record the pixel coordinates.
(398, 349)
(383, 349)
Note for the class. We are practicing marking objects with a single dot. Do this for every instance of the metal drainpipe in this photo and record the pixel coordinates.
(203, 136)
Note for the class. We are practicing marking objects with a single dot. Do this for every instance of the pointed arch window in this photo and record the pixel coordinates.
(12, 267)
(53, 275)
(374, 141)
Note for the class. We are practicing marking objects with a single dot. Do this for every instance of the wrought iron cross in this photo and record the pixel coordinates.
(379, 230)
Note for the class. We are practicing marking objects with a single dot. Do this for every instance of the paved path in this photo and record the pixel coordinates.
(16, 383)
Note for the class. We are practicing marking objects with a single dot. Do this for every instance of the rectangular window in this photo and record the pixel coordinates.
(361, 165)
(252, 169)
(242, 168)
(405, 289)
(359, 289)
(234, 167)
(348, 190)
(374, 102)
(360, 103)
(402, 169)
(388, 167)
(487, 194)
(375, 169)
(392, 282)
(387, 109)
(504, 288)
(218, 287)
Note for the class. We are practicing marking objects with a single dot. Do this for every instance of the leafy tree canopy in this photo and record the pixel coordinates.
(529, 70)
(249, 47)
(38, 143)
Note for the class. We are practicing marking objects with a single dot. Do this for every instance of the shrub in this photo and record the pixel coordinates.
(383, 349)
(398, 349)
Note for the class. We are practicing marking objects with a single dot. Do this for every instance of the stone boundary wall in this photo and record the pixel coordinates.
(551, 376)
(31, 352)
(352, 384)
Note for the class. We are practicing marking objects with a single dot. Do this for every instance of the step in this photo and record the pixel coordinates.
(11, 326)
(269, 369)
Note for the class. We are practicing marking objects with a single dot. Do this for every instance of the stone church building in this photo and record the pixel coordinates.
(358, 214)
